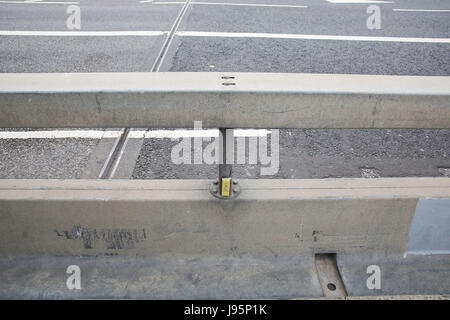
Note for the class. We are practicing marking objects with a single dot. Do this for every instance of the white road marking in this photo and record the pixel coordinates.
(39, 2)
(60, 134)
(168, 2)
(229, 4)
(359, 1)
(162, 2)
(82, 33)
(180, 133)
(308, 37)
(248, 4)
(135, 134)
(421, 10)
(218, 34)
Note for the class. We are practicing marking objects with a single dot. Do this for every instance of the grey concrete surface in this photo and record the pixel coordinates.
(85, 54)
(319, 154)
(413, 274)
(45, 158)
(249, 100)
(98, 15)
(183, 278)
(187, 277)
(430, 229)
(320, 17)
(269, 217)
(307, 56)
(80, 54)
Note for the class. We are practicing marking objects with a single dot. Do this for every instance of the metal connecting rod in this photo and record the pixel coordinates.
(225, 187)
(225, 167)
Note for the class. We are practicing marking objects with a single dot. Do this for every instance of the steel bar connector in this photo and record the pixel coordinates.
(226, 157)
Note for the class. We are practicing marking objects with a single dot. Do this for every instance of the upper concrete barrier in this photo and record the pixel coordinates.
(231, 100)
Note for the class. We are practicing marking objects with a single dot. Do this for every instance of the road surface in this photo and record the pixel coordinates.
(305, 36)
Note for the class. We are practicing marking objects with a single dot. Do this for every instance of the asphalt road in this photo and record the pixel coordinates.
(303, 153)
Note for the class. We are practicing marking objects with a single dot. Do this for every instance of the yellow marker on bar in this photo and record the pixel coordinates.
(226, 185)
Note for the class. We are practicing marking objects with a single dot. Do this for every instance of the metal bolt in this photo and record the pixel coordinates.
(215, 182)
(215, 190)
(235, 182)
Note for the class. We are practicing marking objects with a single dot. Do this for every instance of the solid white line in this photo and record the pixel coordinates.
(308, 37)
(81, 33)
(430, 252)
(168, 2)
(248, 4)
(135, 134)
(59, 134)
(359, 1)
(232, 4)
(39, 2)
(421, 10)
(180, 133)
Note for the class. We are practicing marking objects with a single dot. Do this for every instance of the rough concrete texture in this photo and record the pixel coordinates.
(309, 154)
(169, 277)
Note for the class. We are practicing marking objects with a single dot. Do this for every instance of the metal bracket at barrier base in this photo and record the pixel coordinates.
(234, 188)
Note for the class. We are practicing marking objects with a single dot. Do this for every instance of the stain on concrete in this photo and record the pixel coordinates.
(113, 239)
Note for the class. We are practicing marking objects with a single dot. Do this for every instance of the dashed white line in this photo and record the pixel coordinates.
(167, 2)
(82, 33)
(359, 1)
(248, 4)
(135, 134)
(59, 134)
(180, 133)
(308, 37)
(39, 2)
(229, 4)
(421, 10)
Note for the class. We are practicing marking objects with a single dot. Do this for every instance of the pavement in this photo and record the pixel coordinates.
(235, 36)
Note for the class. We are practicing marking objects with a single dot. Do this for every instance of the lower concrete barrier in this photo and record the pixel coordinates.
(270, 217)
(173, 239)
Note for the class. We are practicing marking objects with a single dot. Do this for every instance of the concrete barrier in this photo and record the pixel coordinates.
(270, 217)
(223, 100)
(173, 239)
